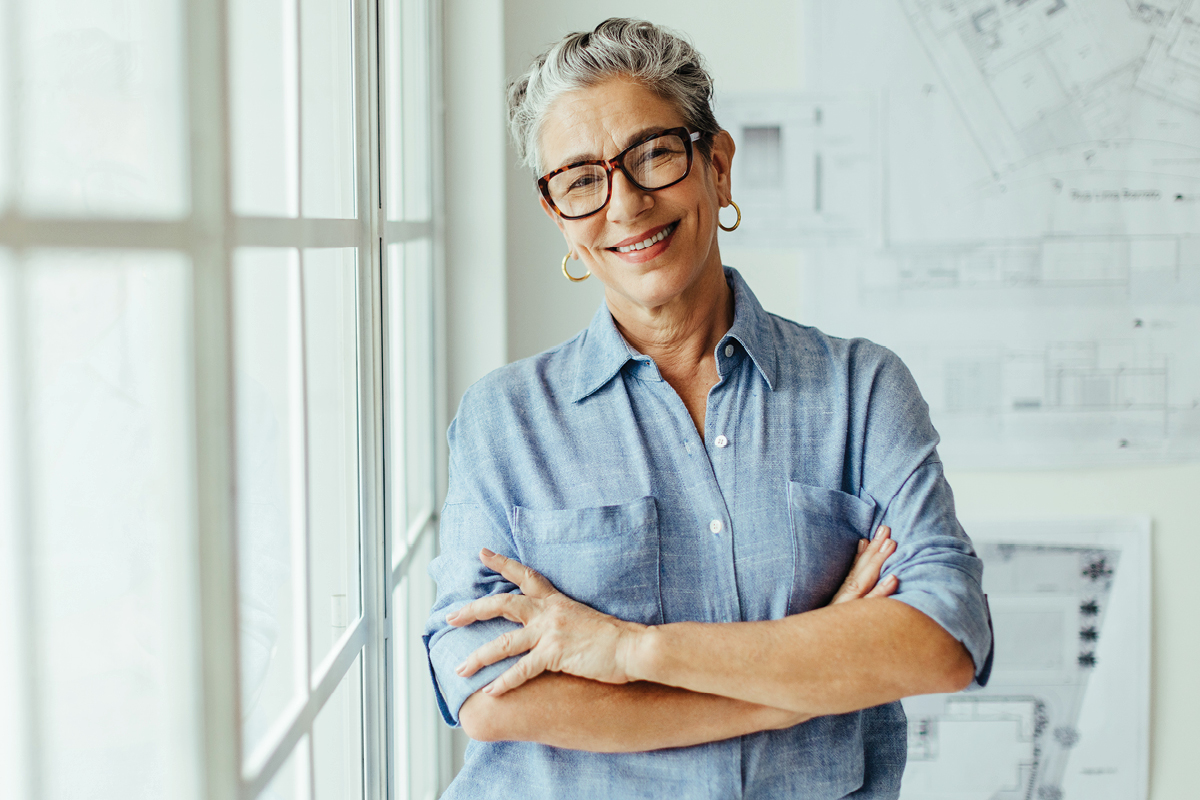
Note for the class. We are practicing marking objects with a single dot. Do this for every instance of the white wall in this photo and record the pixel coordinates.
(760, 47)
(475, 158)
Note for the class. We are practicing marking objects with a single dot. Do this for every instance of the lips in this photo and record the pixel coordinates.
(645, 240)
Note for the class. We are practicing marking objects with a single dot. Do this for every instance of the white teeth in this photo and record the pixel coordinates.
(658, 237)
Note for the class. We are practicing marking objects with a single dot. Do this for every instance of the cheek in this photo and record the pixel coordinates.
(583, 235)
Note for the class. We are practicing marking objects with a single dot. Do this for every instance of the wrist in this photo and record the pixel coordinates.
(634, 649)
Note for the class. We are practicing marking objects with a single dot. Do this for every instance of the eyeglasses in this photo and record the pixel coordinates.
(656, 162)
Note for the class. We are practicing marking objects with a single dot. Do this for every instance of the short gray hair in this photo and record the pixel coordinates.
(664, 61)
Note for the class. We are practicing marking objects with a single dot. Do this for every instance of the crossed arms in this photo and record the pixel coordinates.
(589, 681)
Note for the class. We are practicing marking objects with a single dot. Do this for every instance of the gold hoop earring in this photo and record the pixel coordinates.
(571, 277)
(735, 225)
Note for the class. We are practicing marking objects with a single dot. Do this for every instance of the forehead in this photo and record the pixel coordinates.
(601, 121)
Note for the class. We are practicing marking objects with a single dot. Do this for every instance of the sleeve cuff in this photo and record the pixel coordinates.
(448, 648)
(963, 626)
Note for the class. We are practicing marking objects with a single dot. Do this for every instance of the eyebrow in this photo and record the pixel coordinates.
(636, 136)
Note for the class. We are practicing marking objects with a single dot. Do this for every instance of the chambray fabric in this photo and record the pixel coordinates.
(584, 464)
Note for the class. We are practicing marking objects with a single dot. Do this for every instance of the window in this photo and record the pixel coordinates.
(220, 402)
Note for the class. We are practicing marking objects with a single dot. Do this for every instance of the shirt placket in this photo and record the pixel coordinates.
(709, 511)
(721, 474)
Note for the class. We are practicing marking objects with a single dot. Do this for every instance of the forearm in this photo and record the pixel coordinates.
(580, 714)
(828, 661)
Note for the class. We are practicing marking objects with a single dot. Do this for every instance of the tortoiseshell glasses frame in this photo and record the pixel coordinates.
(618, 162)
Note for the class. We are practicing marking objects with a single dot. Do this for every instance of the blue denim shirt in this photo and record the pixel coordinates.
(584, 464)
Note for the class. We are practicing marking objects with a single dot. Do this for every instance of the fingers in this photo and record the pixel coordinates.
(871, 565)
(878, 551)
(863, 579)
(524, 670)
(512, 643)
(886, 587)
(514, 607)
(529, 580)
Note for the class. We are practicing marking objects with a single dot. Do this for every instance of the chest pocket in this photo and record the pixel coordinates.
(606, 557)
(826, 527)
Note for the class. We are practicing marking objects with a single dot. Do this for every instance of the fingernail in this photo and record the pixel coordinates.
(487, 553)
(489, 688)
(460, 668)
(892, 578)
(450, 617)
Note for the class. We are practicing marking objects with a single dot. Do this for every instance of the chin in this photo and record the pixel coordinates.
(651, 285)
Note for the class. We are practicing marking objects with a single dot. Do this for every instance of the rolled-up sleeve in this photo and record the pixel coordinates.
(935, 562)
(461, 578)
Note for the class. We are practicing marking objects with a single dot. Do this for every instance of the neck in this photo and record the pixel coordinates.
(681, 334)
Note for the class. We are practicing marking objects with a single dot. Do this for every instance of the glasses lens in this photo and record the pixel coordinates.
(580, 190)
(658, 162)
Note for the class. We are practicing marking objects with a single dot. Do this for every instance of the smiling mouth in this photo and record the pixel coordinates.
(649, 241)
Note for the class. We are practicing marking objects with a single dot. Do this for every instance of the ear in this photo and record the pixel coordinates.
(722, 166)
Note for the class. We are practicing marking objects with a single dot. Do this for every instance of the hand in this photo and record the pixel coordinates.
(863, 580)
(559, 634)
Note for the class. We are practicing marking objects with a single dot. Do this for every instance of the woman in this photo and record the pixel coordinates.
(692, 478)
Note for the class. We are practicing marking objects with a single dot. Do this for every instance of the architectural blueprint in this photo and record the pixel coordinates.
(1066, 712)
(1007, 194)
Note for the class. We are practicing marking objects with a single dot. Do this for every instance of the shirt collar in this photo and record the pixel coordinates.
(752, 327)
(604, 351)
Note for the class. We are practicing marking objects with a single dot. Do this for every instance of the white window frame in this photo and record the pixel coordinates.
(209, 235)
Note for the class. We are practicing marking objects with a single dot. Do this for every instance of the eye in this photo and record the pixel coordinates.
(583, 183)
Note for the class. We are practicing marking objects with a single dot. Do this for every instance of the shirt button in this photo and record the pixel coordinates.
(729, 351)
(715, 526)
(721, 441)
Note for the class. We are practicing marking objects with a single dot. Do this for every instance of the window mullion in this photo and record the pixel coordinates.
(437, 344)
(270, 756)
(293, 128)
(374, 551)
(301, 488)
(220, 738)
(24, 575)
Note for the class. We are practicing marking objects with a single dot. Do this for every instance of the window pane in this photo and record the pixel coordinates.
(393, 109)
(293, 781)
(12, 756)
(271, 494)
(102, 108)
(407, 36)
(414, 708)
(400, 704)
(6, 42)
(410, 373)
(422, 720)
(111, 483)
(394, 349)
(419, 374)
(338, 742)
(263, 78)
(331, 355)
(327, 58)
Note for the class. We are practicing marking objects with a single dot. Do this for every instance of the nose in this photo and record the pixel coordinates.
(627, 201)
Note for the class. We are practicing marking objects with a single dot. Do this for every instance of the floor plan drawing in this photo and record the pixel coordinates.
(1007, 194)
(1070, 611)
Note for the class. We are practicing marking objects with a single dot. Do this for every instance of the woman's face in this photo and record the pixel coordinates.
(600, 122)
